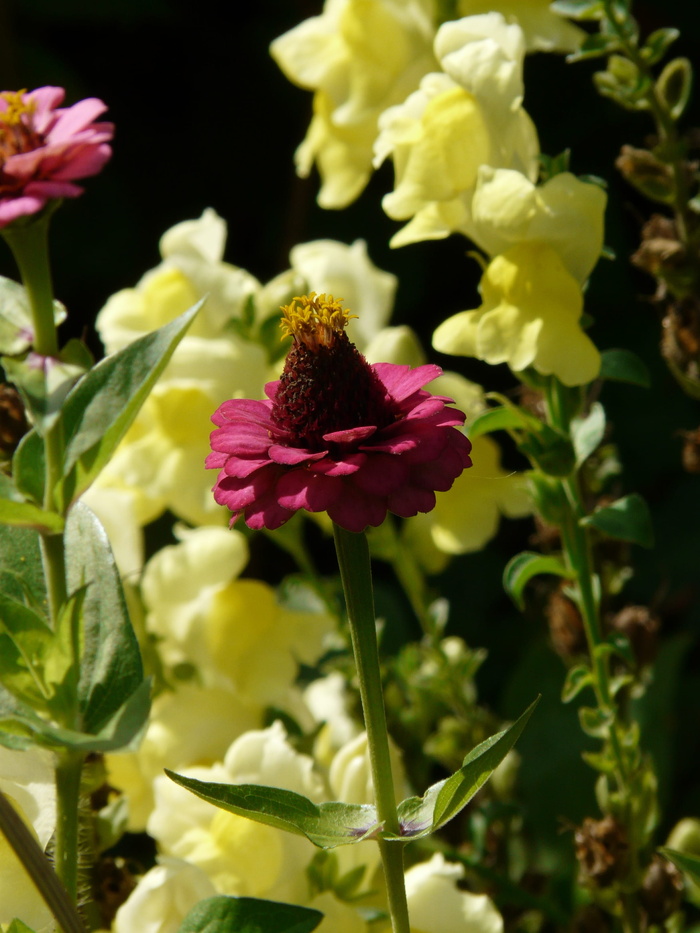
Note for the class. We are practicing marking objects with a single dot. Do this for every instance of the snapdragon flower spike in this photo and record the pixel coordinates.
(44, 148)
(335, 434)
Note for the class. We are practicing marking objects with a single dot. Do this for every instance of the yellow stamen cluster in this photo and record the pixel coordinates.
(17, 106)
(315, 320)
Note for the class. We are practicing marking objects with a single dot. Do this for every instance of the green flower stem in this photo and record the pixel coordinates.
(29, 245)
(665, 123)
(577, 552)
(39, 868)
(356, 575)
(68, 775)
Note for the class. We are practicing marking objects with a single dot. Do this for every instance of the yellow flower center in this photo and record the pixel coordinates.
(315, 321)
(16, 134)
(17, 106)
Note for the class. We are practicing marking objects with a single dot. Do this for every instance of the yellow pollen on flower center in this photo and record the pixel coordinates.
(17, 106)
(315, 320)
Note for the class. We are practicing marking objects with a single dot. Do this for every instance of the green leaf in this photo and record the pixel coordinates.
(495, 419)
(16, 323)
(110, 665)
(15, 510)
(596, 722)
(588, 432)
(26, 640)
(628, 519)
(44, 383)
(624, 366)
(689, 864)
(577, 679)
(595, 45)
(21, 569)
(99, 410)
(326, 825)
(420, 816)
(657, 44)
(18, 926)
(674, 85)
(249, 915)
(523, 567)
(579, 9)
(28, 467)
(21, 727)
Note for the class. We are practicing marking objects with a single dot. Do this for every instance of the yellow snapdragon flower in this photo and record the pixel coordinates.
(466, 116)
(544, 30)
(545, 241)
(529, 316)
(158, 464)
(437, 905)
(359, 57)
(233, 630)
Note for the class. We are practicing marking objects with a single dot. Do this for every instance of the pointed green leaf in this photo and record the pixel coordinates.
(523, 567)
(420, 816)
(326, 825)
(689, 864)
(25, 643)
(628, 519)
(588, 432)
(495, 419)
(249, 915)
(29, 468)
(624, 366)
(15, 510)
(18, 926)
(110, 665)
(577, 678)
(99, 410)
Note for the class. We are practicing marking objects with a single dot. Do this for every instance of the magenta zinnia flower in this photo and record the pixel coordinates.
(44, 148)
(335, 434)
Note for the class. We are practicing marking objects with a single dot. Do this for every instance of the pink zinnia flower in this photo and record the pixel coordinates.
(44, 148)
(335, 434)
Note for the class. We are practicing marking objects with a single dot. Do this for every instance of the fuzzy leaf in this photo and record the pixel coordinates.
(624, 366)
(628, 519)
(420, 816)
(579, 9)
(657, 44)
(99, 410)
(326, 825)
(523, 567)
(249, 915)
(110, 664)
(595, 46)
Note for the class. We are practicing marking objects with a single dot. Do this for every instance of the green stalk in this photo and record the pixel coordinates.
(39, 868)
(68, 774)
(356, 575)
(665, 124)
(29, 244)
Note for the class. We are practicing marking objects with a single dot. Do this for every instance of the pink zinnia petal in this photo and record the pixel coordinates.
(335, 434)
(56, 147)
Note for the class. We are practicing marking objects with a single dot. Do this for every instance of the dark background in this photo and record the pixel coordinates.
(205, 118)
